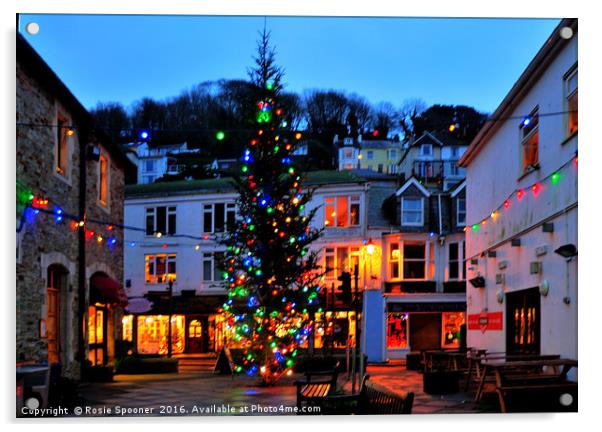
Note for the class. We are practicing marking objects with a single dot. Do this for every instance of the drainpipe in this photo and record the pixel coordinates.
(81, 253)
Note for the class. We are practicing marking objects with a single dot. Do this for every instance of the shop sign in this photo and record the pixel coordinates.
(486, 321)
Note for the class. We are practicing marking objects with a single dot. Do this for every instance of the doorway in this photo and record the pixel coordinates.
(57, 279)
(425, 331)
(523, 335)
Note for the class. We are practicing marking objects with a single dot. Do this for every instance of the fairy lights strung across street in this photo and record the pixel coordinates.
(553, 179)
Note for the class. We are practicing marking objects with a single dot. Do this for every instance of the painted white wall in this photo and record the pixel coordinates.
(491, 177)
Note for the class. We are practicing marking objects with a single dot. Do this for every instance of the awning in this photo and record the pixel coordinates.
(105, 289)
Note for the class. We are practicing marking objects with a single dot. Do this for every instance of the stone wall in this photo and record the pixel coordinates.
(42, 241)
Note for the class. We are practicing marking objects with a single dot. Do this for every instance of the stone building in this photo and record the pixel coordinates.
(70, 186)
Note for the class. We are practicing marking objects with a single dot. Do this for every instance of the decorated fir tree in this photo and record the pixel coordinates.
(271, 274)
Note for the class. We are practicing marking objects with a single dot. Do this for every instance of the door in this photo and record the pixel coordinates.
(522, 322)
(52, 326)
(97, 330)
(194, 335)
(425, 331)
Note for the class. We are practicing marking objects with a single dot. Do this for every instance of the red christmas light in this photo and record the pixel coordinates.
(506, 204)
(536, 188)
(520, 194)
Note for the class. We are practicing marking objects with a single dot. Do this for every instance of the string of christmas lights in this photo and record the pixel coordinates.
(535, 188)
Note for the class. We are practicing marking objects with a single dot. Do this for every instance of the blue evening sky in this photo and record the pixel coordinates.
(449, 61)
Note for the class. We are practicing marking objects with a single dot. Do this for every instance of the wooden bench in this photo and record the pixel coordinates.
(369, 400)
(311, 390)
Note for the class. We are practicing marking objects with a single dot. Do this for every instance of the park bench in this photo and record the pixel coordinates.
(534, 385)
(369, 400)
(316, 386)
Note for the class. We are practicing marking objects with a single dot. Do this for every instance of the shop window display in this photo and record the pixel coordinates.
(153, 333)
(397, 330)
(450, 334)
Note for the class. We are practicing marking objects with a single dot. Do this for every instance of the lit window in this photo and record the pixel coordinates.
(341, 259)
(96, 335)
(451, 323)
(195, 329)
(571, 101)
(160, 268)
(461, 211)
(161, 220)
(348, 154)
(529, 130)
(211, 262)
(412, 212)
(342, 211)
(103, 180)
(62, 147)
(414, 260)
(397, 330)
(153, 334)
(218, 217)
(394, 261)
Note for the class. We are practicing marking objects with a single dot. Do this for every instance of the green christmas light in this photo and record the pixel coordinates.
(264, 116)
(220, 135)
(475, 227)
(555, 178)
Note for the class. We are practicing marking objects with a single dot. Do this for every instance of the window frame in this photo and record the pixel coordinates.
(62, 147)
(458, 223)
(525, 139)
(104, 203)
(425, 260)
(370, 154)
(425, 146)
(352, 200)
(209, 208)
(403, 200)
(399, 262)
(353, 253)
(170, 210)
(210, 257)
(567, 95)
(153, 279)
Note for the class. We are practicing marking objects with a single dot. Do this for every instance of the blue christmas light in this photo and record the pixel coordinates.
(144, 134)
(526, 121)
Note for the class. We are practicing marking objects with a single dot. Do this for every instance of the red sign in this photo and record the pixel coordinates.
(486, 321)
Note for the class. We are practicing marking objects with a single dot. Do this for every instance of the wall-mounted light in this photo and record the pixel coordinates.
(500, 296)
(568, 251)
(478, 282)
(544, 287)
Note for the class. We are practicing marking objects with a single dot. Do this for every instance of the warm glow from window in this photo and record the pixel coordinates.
(397, 330)
(153, 333)
(103, 186)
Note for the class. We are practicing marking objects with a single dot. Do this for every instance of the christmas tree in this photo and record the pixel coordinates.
(271, 274)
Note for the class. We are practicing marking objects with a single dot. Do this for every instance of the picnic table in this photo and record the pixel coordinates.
(311, 391)
(529, 376)
(478, 361)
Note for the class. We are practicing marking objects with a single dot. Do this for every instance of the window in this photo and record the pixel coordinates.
(348, 154)
(218, 217)
(370, 155)
(62, 147)
(394, 261)
(455, 153)
(392, 154)
(461, 211)
(397, 330)
(160, 268)
(149, 165)
(463, 260)
(153, 331)
(426, 150)
(453, 261)
(342, 211)
(412, 211)
(529, 131)
(451, 323)
(211, 271)
(341, 259)
(195, 329)
(380, 168)
(103, 180)
(414, 260)
(570, 85)
(147, 179)
(348, 141)
(392, 169)
(161, 220)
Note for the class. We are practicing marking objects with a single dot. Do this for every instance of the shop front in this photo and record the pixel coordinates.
(195, 327)
(423, 326)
